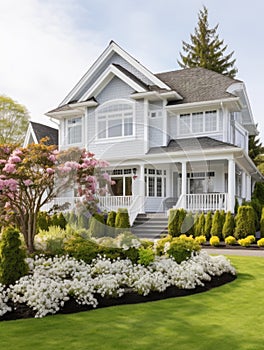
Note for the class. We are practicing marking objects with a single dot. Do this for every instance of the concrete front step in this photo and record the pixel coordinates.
(150, 226)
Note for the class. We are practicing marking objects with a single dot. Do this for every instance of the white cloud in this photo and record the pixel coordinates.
(43, 53)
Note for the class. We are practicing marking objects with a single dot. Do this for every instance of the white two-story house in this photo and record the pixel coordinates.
(176, 138)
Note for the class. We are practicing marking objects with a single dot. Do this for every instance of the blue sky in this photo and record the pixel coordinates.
(47, 45)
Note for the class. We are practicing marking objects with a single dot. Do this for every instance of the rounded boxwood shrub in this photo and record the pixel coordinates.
(230, 240)
(214, 241)
(81, 249)
(12, 257)
(181, 248)
(261, 242)
(122, 218)
(200, 239)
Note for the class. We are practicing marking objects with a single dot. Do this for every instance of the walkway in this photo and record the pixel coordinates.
(240, 252)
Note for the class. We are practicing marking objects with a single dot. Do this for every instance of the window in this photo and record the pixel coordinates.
(155, 182)
(115, 120)
(199, 122)
(74, 130)
(123, 182)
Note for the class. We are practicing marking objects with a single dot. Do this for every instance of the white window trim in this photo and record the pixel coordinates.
(116, 138)
(218, 130)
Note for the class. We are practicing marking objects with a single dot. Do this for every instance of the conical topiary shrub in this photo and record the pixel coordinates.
(245, 222)
(176, 219)
(111, 219)
(200, 230)
(229, 225)
(262, 223)
(217, 225)
(12, 257)
(122, 218)
(208, 225)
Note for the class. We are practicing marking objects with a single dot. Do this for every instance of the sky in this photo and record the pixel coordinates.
(48, 45)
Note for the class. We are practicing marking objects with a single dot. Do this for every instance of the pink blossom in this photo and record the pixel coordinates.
(11, 184)
(106, 177)
(2, 161)
(72, 165)
(52, 158)
(9, 168)
(50, 171)
(28, 182)
(14, 159)
(17, 152)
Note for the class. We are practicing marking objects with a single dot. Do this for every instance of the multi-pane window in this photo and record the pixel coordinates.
(199, 122)
(122, 182)
(155, 182)
(74, 130)
(115, 120)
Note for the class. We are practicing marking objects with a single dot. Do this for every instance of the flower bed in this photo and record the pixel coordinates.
(57, 284)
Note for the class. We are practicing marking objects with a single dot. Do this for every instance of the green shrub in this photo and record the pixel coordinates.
(111, 218)
(126, 240)
(12, 257)
(58, 220)
(182, 247)
(111, 252)
(230, 240)
(146, 256)
(146, 243)
(262, 223)
(176, 219)
(131, 253)
(188, 225)
(122, 218)
(208, 225)
(217, 224)
(245, 222)
(196, 224)
(214, 241)
(200, 239)
(200, 229)
(43, 221)
(229, 225)
(81, 249)
(261, 242)
(97, 225)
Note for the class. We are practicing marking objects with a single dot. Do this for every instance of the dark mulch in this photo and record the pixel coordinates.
(71, 306)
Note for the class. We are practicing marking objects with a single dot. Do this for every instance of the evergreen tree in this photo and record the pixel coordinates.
(217, 224)
(207, 50)
(255, 149)
(12, 257)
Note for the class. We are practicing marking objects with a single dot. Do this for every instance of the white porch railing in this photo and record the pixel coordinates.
(203, 202)
(131, 203)
(115, 202)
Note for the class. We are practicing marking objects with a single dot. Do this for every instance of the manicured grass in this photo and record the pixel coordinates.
(228, 317)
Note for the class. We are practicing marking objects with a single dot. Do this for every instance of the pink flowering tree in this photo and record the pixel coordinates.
(31, 177)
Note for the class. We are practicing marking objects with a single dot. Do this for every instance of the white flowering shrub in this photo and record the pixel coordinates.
(53, 281)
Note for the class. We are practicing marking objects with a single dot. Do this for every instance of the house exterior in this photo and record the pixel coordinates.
(174, 139)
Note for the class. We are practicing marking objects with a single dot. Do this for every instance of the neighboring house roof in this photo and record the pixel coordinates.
(191, 144)
(198, 84)
(41, 131)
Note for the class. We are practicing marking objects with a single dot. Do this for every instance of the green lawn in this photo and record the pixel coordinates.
(230, 317)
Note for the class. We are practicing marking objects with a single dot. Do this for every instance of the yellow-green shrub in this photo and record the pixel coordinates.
(230, 240)
(200, 239)
(251, 238)
(244, 242)
(215, 241)
(181, 248)
(261, 242)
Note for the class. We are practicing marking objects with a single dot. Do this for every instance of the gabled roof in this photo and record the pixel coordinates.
(40, 131)
(198, 84)
(191, 144)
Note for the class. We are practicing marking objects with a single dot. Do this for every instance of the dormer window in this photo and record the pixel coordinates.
(115, 120)
(74, 130)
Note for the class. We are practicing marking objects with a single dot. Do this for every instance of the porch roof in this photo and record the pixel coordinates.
(191, 144)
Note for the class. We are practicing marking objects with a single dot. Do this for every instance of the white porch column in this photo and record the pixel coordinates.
(231, 185)
(184, 183)
(244, 185)
(141, 193)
